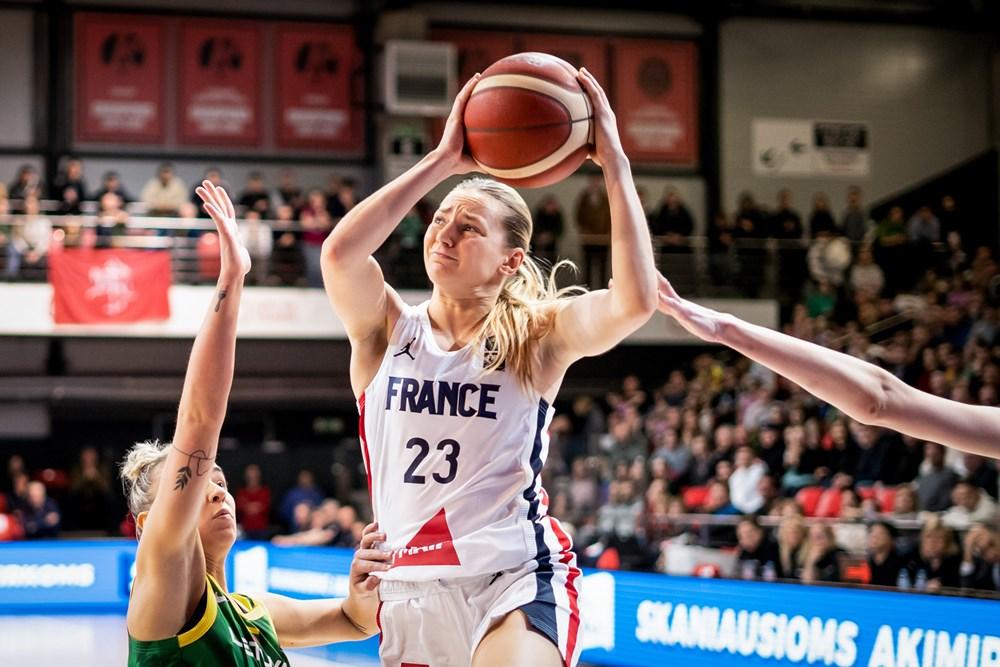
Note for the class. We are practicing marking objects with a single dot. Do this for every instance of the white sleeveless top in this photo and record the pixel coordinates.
(454, 458)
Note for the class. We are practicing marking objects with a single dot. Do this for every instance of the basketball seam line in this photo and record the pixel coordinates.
(541, 126)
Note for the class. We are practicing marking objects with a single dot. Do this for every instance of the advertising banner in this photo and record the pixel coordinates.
(314, 69)
(219, 100)
(119, 82)
(807, 148)
(628, 619)
(656, 100)
(577, 50)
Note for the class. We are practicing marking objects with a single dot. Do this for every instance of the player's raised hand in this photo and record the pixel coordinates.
(607, 142)
(452, 146)
(235, 257)
(367, 559)
(702, 322)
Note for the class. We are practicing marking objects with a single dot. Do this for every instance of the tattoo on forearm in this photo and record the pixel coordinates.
(222, 295)
(198, 463)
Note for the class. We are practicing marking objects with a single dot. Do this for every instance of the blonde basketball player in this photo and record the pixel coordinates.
(180, 611)
(455, 398)
(863, 391)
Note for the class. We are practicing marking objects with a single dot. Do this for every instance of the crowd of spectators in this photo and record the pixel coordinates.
(717, 454)
(49, 503)
(283, 227)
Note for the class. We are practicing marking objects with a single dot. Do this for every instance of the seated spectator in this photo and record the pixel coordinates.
(673, 223)
(982, 472)
(112, 219)
(905, 504)
(341, 197)
(885, 564)
(744, 484)
(584, 491)
(27, 183)
(854, 223)
(717, 499)
(112, 182)
(30, 241)
(344, 521)
(937, 563)
(822, 556)
(620, 515)
(820, 219)
(980, 568)
(89, 493)
(253, 504)
(39, 516)
(867, 277)
(890, 249)
(673, 453)
(791, 546)
(316, 225)
(758, 557)
(214, 176)
(547, 230)
(314, 527)
(970, 505)
(164, 194)
(305, 491)
(288, 191)
(768, 490)
(69, 188)
(771, 448)
(935, 483)
(255, 196)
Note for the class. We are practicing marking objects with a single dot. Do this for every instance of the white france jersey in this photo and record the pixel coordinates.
(454, 458)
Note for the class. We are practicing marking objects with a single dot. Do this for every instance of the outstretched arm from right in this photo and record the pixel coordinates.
(861, 390)
(353, 280)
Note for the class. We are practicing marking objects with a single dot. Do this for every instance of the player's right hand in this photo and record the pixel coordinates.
(452, 146)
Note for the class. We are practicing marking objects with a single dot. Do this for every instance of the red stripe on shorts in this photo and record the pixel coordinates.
(571, 593)
(378, 621)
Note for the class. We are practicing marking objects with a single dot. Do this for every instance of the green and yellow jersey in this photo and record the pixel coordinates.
(233, 629)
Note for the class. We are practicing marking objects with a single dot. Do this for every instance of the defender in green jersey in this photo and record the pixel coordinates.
(181, 612)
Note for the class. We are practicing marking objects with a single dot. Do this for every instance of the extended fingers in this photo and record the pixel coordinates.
(370, 538)
(592, 87)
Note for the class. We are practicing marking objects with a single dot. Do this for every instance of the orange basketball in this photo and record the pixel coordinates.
(528, 122)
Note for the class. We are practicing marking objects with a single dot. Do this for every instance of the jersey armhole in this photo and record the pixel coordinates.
(206, 621)
(408, 316)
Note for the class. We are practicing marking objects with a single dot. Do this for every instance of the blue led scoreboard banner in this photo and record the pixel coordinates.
(628, 618)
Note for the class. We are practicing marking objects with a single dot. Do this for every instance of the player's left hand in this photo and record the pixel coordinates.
(234, 256)
(368, 559)
(607, 142)
(702, 322)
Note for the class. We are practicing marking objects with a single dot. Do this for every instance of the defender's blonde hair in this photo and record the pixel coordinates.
(527, 305)
(136, 471)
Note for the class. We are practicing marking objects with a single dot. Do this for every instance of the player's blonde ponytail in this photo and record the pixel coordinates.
(524, 312)
(137, 473)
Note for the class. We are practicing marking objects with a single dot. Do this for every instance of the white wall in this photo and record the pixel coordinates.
(924, 94)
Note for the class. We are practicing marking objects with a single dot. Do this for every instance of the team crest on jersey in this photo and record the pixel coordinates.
(491, 354)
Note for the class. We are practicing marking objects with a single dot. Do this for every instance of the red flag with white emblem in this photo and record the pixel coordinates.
(109, 285)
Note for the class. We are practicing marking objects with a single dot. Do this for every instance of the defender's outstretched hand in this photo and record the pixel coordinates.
(452, 146)
(697, 320)
(368, 559)
(607, 142)
(235, 257)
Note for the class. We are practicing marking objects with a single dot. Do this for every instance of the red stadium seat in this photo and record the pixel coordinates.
(886, 498)
(808, 498)
(694, 497)
(829, 504)
(867, 492)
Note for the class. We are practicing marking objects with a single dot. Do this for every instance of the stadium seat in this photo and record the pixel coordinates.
(886, 498)
(808, 498)
(829, 504)
(694, 497)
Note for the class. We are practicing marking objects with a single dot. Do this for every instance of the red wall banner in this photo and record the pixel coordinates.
(101, 286)
(119, 78)
(219, 83)
(314, 67)
(477, 49)
(656, 100)
(578, 51)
